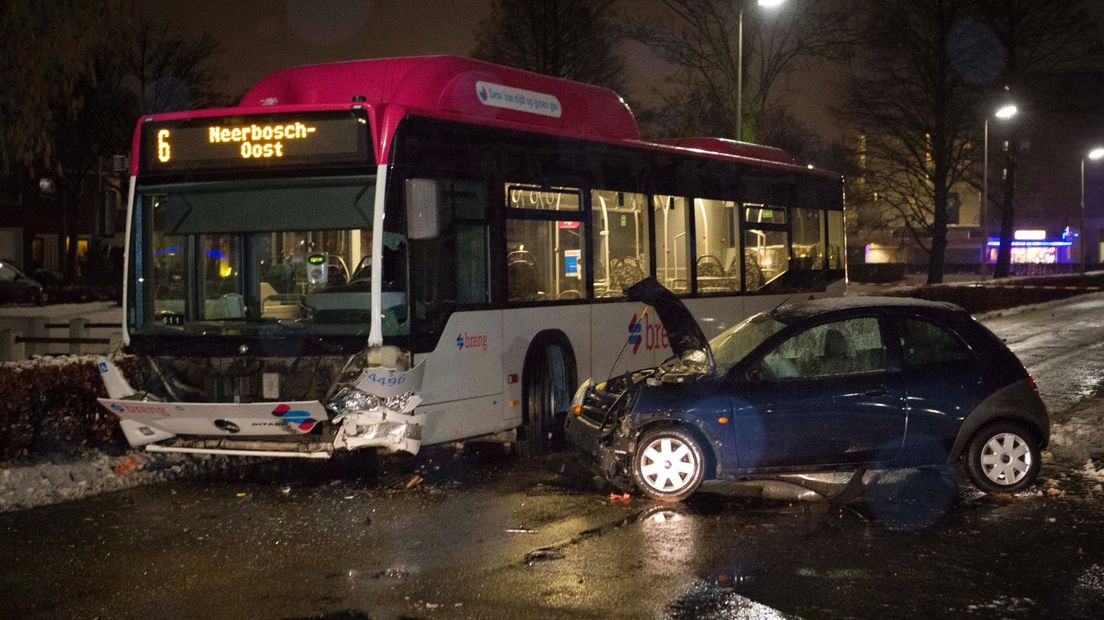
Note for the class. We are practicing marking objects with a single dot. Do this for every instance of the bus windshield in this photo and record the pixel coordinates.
(238, 255)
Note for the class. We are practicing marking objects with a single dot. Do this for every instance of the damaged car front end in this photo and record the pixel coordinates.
(815, 398)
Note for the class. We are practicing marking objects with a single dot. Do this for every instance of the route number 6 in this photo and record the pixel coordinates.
(164, 151)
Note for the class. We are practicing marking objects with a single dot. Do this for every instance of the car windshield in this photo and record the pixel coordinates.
(735, 343)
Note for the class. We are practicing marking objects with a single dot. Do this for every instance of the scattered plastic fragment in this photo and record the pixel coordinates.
(349, 496)
(240, 494)
(1054, 491)
(623, 497)
(520, 530)
(414, 481)
(542, 554)
(1052, 520)
(286, 490)
(125, 465)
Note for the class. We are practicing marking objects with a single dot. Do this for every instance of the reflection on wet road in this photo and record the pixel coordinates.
(1062, 344)
(486, 535)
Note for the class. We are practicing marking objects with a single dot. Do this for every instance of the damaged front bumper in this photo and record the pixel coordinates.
(378, 410)
(374, 407)
(596, 430)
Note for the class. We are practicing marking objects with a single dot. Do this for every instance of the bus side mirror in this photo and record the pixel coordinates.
(423, 209)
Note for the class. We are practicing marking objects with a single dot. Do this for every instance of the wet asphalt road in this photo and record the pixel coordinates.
(487, 535)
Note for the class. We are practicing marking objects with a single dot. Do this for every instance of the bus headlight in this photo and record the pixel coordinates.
(351, 400)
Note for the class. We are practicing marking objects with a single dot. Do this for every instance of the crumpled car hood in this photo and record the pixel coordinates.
(683, 332)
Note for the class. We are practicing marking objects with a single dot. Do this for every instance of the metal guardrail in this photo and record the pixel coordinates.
(50, 340)
(86, 325)
(21, 339)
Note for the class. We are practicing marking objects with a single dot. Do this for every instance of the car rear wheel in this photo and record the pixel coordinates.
(669, 464)
(1003, 457)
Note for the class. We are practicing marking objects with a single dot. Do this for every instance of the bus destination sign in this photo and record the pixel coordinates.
(241, 142)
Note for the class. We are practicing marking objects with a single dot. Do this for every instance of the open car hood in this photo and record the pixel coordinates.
(683, 332)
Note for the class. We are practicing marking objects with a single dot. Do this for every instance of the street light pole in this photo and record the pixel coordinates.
(984, 221)
(1003, 113)
(740, 75)
(1094, 155)
(740, 64)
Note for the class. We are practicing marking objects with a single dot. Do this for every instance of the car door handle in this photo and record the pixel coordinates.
(876, 391)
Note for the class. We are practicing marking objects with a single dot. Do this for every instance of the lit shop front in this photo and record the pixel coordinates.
(1036, 247)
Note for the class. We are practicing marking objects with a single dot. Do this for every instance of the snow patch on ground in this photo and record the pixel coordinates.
(1077, 438)
(52, 482)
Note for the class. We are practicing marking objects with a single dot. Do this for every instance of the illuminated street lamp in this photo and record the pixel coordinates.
(740, 65)
(1005, 112)
(1094, 155)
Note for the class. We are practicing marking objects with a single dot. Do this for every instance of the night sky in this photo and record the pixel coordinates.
(258, 37)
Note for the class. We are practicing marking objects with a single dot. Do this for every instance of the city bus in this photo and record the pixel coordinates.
(402, 252)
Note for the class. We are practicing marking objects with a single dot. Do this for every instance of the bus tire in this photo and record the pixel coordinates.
(548, 381)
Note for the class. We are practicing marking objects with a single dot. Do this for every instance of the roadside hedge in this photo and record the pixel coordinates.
(48, 408)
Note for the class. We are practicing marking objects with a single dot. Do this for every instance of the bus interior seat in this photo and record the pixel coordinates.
(710, 266)
(624, 272)
(523, 276)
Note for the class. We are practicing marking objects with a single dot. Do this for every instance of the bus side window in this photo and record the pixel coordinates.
(545, 254)
(808, 241)
(452, 268)
(766, 244)
(673, 244)
(718, 246)
(621, 240)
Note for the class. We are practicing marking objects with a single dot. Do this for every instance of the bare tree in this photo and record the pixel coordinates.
(80, 74)
(1032, 43)
(916, 113)
(573, 39)
(700, 38)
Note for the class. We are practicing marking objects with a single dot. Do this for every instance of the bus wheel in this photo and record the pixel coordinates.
(549, 377)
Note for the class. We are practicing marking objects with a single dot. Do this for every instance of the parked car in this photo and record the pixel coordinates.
(17, 287)
(831, 385)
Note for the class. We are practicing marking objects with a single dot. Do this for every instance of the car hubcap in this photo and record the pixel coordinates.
(1006, 459)
(668, 465)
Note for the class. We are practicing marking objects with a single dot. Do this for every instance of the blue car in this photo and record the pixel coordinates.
(815, 387)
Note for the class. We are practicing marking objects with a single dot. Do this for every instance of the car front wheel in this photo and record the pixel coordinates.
(1003, 457)
(669, 464)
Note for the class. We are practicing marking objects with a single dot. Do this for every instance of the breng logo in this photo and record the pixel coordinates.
(299, 418)
(634, 333)
(643, 333)
(467, 341)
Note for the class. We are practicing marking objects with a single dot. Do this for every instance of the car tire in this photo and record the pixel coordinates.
(1003, 457)
(669, 464)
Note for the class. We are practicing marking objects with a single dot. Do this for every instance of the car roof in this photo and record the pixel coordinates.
(792, 312)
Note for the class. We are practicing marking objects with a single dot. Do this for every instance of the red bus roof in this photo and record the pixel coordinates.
(473, 91)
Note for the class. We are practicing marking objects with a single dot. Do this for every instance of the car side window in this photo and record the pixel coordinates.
(923, 343)
(846, 347)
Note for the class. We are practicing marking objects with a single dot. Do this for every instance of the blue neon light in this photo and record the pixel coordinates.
(1032, 244)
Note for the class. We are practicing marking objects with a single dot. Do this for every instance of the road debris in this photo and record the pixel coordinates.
(520, 530)
(414, 481)
(125, 465)
(622, 497)
(543, 554)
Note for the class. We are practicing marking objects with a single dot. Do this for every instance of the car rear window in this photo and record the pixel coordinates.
(924, 343)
